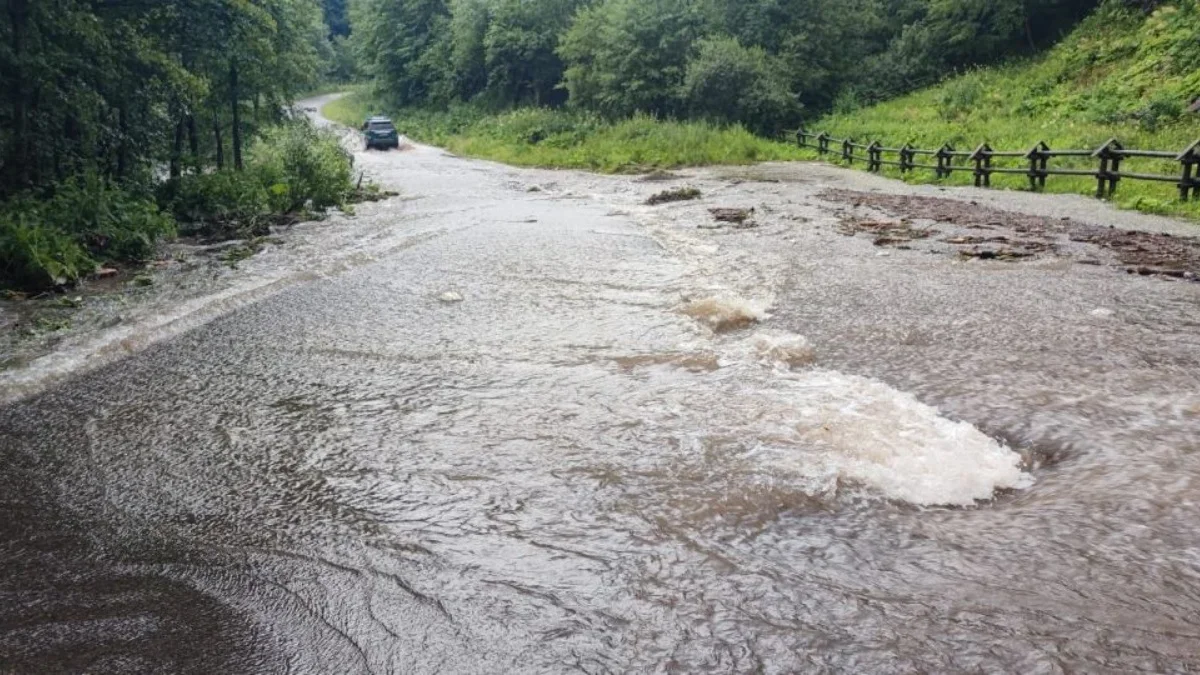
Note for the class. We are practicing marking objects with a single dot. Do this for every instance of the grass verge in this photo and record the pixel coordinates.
(560, 139)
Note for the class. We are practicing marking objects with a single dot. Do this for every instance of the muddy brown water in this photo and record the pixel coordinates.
(562, 431)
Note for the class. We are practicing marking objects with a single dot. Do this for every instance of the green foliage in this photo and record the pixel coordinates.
(390, 39)
(34, 257)
(113, 223)
(119, 88)
(302, 167)
(218, 201)
(629, 56)
(293, 167)
(1121, 74)
(729, 83)
(519, 49)
(960, 96)
(56, 239)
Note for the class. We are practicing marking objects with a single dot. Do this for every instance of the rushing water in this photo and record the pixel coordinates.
(509, 439)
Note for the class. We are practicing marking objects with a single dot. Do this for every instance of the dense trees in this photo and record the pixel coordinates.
(117, 88)
(755, 61)
(117, 116)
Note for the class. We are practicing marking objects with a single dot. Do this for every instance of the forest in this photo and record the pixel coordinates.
(761, 63)
(124, 121)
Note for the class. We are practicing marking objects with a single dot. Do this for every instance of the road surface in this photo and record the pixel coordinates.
(526, 423)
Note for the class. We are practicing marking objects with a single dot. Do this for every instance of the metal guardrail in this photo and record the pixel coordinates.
(1109, 158)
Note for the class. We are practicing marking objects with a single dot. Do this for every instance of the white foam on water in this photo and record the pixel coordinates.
(819, 424)
(820, 430)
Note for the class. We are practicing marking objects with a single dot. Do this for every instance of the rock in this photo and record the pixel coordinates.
(143, 280)
(450, 297)
(106, 272)
(1102, 313)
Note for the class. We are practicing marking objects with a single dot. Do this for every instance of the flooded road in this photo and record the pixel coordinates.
(533, 425)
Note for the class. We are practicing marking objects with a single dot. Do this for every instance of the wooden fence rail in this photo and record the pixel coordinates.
(1109, 158)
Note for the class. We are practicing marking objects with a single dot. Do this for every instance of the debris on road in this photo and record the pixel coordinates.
(728, 215)
(682, 194)
(1137, 252)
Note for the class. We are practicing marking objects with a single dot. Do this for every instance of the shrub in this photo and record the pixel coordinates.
(302, 167)
(112, 222)
(36, 257)
(729, 83)
(57, 239)
(218, 200)
(960, 95)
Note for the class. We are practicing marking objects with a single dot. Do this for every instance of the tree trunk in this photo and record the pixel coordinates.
(177, 152)
(237, 115)
(193, 144)
(219, 141)
(122, 142)
(18, 16)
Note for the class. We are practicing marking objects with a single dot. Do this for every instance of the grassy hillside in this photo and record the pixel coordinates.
(1120, 74)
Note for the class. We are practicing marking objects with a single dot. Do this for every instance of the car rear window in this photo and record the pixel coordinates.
(381, 126)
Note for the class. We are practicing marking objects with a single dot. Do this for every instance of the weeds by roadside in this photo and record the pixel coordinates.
(55, 239)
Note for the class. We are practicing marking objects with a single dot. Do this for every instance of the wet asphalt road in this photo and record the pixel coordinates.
(493, 442)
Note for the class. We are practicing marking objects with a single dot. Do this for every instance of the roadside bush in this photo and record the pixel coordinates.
(302, 167)
(111, 222)
(58, 239)
(218, 201)
(36, 257)
(291, 168)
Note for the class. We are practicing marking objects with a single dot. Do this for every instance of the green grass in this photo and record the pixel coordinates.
(1119, 75)
(560, 139)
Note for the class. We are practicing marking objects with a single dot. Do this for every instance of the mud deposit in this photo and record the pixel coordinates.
(491, 428)
(1145, 253)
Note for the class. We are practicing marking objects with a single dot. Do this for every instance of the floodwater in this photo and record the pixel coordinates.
(538, 427)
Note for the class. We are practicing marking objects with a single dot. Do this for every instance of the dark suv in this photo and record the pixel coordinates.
(379, 132)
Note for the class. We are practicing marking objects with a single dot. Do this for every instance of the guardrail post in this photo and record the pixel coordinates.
(944, 158)
(1189, 186)
(1038, 157)
(874, 157)
(1109, 155)
(982, 156)
(823, 142)
(906, 158)
(801, 138)
(848, 150)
